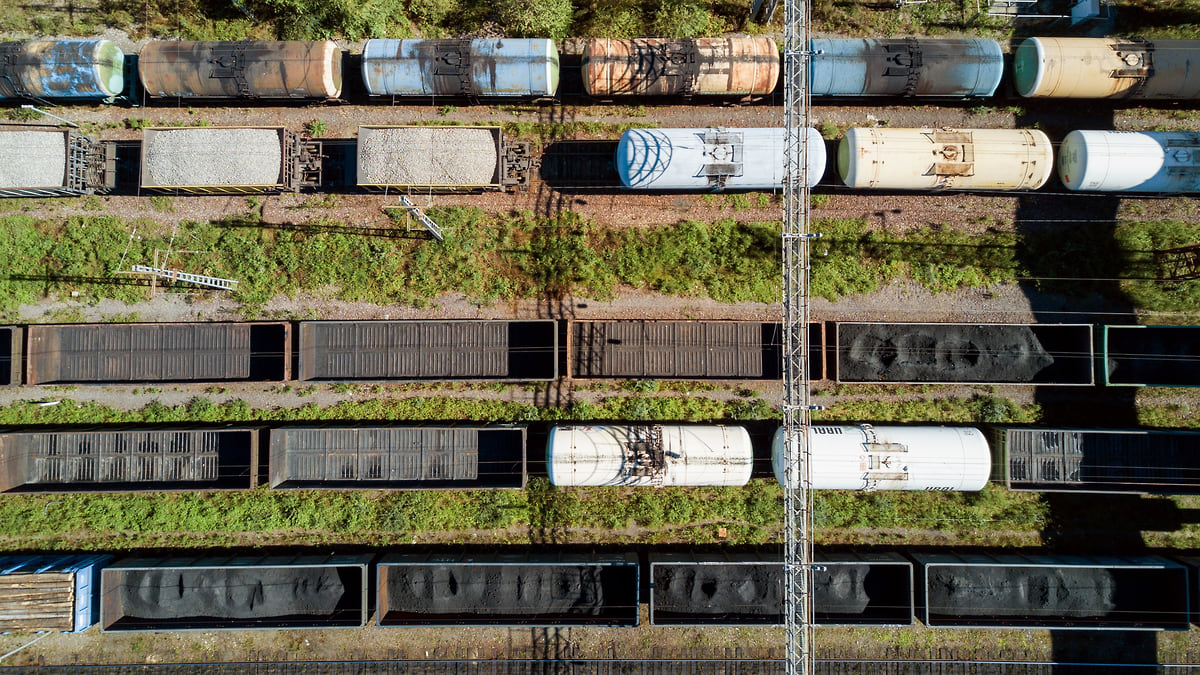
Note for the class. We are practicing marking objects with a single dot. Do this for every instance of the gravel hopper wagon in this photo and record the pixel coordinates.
(229, 160)
(46, 162)
(440, 159)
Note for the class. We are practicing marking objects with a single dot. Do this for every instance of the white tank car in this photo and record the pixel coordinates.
(866, 457)
(945, 159)
(710, 159)
(1130, 161)
(652, 454)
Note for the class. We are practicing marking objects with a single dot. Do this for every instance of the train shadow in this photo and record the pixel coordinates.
(1073, 264)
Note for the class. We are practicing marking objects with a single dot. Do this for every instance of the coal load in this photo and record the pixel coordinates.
(736, 593)
(1039, 593)
(193, 157)
(939, 353)
(31, 159)
(434, 156)
(500, 594)
(841, 589)
(231, 596)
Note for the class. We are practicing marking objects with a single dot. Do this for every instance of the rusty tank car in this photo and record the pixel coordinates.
(689, 67)
(241, 69)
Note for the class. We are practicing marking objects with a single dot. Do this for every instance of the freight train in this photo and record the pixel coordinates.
(70, 593)
(490, 68)
(544, 350)
(862, 457)
(47, 162)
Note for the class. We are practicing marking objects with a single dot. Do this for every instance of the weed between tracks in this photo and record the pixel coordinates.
(493, 258)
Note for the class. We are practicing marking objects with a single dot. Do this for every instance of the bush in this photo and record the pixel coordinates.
(684, 19)
(536, 18)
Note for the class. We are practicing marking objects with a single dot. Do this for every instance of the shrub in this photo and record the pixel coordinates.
(684, 19)
(536, 18)
(316, 128)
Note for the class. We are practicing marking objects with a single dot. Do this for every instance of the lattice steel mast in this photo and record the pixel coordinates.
(796, 406)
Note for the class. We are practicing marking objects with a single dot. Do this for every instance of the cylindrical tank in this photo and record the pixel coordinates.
(746, 66)
(241, 69)
(1107, 68)
(1130, 161)
(710, 159)
(61, 69)
(945, 159)
(906, 67)
(482, 67)
(667, 454)
(866, 457)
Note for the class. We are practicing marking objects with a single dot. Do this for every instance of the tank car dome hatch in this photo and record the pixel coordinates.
(866, 457)
(1130, 161)
(906, 67)
(649, 455)
(63, 69)
(945, 159)
(710, 159)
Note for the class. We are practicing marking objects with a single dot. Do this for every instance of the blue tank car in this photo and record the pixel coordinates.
(61, 69)
(483, 67)
(906, 67)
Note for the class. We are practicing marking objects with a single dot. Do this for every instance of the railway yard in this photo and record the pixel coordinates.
(568, 301)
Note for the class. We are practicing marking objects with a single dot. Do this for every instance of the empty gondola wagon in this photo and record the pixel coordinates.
(395, 458)
(514, 351)
(1131, 461)
(124, 460)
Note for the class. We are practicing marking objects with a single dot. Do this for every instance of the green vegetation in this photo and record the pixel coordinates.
(316, 128)
(24, 115)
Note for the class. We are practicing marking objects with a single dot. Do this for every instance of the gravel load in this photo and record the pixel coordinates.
(426, 156)
(509, 593)
(939, 353)
(231, 593)
(718, 593)
(183, 157)
(1041, 592)
(31, 159)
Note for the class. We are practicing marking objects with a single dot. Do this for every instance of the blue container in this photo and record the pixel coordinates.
(70, 69)
(84, 584)
(906, 67)
(484, 67)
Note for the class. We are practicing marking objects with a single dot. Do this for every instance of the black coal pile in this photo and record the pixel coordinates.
(231, 593)
(504, 593)
(841, 589)
(1039, 592)
(718, 593)
(939, 353)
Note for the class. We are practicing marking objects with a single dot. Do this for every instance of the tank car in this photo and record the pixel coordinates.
(659, 454)
(241, 69)
(710, 159)
(1130, 161)
(945, 159)
(747, 66)
(1107, 68)
(70, 69)
(482, 67)
(906, 67)
(866, 457)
